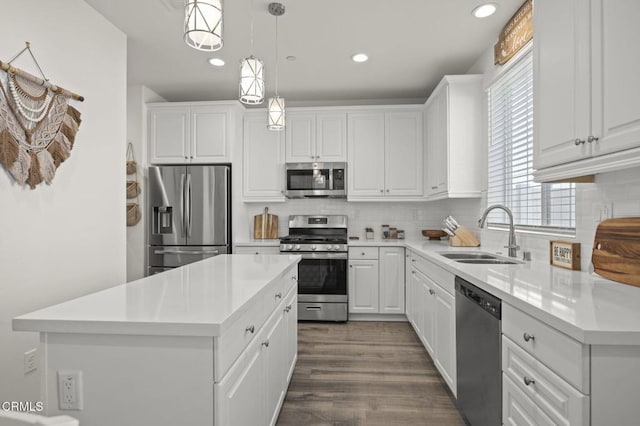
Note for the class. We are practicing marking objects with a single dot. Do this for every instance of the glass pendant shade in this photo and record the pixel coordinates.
(275, 113)
(251, 81)
(203, 24)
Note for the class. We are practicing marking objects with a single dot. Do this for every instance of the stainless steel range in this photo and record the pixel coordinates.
(322, 273)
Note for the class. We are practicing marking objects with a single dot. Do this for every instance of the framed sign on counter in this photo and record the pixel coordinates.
(565, 254)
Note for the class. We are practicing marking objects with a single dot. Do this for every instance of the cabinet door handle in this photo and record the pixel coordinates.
(434, 187)
(527, 337)
(413, 272)
(287, 308)
(413, 260)
(387, 190)
(528, 381)
(250, 329)
(592, 139)
(381, 191)
(294, 278)
(278, 295)
(350, 266)
(431, 292)
(579, 142)
(266, 343)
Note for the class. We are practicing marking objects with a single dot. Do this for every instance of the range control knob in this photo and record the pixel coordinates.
(297, 247)
(328, 247)
(336, 247)
(313, 247)
(289, 247)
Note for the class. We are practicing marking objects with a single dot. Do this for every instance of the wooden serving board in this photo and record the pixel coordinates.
(616, 250)
(265, 226)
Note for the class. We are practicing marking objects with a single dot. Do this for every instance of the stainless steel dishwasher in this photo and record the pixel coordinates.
(478, 326)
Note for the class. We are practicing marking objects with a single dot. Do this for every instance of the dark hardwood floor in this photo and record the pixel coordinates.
(365, 373)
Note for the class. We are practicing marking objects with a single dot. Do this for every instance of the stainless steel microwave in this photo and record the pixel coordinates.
(308, 180)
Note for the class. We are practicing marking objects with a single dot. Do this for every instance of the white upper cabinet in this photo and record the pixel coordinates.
(196, 132)
(385, 151)
(454, 115)
(586, 100)
(316, 137)
(263, 160)
(365, 142)
(168, 134)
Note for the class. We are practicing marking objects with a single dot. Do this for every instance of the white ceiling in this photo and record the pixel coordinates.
(411, 45)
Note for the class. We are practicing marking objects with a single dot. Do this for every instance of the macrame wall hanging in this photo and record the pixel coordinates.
(37, 125)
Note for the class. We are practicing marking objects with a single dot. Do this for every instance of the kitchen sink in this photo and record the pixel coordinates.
(489, 261)
(469, 255)
(479, 258)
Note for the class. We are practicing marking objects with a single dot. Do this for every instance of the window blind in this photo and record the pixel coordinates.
(547, 208)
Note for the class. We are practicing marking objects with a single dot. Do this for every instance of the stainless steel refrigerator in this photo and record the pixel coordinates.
(190, 214)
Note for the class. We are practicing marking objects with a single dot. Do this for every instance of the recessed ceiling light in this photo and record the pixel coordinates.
(484, 10)
(216, 62)
(360, 57)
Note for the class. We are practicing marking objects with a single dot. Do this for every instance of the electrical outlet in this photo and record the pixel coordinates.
(606, 211)
(70, 389)
(30, 361)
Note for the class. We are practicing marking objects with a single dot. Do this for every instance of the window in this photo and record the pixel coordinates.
(536, 207)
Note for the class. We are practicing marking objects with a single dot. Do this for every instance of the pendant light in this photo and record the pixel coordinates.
(203, 24)
(251, 76)
(275, 108)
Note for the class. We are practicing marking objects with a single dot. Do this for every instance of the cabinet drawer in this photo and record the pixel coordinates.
(518, 409)
(257, 250)
(367, 253)
(565, 356)
(234, 339)
(275, 294)
(439, 275)
(553, 395)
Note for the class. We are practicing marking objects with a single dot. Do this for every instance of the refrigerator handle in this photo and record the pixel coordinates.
(189, 205)
(182, 205)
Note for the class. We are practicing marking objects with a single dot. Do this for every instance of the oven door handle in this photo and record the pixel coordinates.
(321, 255)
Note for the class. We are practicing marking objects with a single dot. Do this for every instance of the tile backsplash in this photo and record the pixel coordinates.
(618, 192)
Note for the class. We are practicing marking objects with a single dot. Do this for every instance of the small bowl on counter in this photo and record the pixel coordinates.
(434, 234)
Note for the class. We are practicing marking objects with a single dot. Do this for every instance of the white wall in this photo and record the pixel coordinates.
(61, 241)
(620, 191)
(137, 97)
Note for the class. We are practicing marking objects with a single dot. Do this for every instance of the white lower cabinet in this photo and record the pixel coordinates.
(445, 336)
(376, 280)
(240, 395)
(518, 409)
(432, 313)
(363, 286)
(545, 369)
(253, 389)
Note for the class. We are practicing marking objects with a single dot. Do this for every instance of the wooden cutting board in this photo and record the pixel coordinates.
(616, 250)
(265, 226)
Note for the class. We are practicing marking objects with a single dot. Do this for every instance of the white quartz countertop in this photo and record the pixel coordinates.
(583, 305)
(198, 299)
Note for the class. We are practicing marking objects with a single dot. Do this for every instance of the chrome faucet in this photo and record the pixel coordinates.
(513, 247)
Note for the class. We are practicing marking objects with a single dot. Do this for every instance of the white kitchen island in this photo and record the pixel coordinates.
(213, 342)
